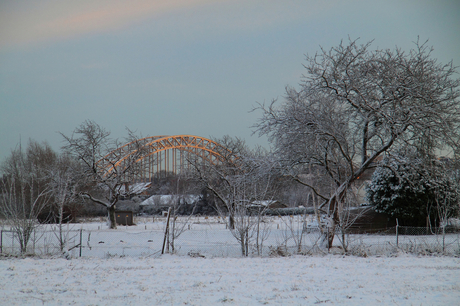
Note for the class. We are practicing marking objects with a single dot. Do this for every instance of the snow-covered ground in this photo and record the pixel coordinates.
(210, 237)
(181, 280)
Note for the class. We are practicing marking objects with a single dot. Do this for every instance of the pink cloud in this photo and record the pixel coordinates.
(27, 22)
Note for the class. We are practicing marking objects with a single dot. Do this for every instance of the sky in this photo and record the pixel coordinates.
(171, 67)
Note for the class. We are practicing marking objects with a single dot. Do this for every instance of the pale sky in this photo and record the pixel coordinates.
(172, 67)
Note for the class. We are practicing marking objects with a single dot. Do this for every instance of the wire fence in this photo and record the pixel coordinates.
(210, 237)
(41, 243)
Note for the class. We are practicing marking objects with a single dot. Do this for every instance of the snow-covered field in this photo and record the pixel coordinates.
(181, 280)
(125, 267)
(210, 237)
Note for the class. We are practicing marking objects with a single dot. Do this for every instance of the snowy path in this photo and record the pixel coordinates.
(173, 280)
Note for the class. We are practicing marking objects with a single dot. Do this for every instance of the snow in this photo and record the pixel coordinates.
(136, 188)
(181, 280)
(210, 237)
(108, 274)
(167, 199)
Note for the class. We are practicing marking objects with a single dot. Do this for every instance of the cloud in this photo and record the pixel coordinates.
(24, 22)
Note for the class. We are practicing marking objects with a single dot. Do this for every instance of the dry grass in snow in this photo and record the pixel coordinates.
(175, 280)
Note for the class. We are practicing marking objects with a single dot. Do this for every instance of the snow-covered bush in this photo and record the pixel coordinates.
(411, 190)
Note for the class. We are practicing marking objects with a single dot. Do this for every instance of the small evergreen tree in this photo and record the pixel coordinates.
(410, 189)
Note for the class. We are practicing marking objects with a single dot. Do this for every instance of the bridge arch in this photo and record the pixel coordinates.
(164, 154)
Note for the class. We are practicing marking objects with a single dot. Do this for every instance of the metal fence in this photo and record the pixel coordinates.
(210, 237)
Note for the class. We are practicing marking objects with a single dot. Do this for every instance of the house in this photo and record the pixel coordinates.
(124, 217)
(184, 204)
(264, 206)
(167, 200)
(128, 190)
(267, 204)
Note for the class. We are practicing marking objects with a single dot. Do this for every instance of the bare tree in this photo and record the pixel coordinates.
(106, 174)
(24, 191)
(444, 182)
(179, 201)
(356, 104)
(446, 202)
(241, 178)
(64, 185)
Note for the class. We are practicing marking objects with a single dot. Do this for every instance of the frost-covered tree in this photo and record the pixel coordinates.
(24, 189)
(65, 187)
(240, 179)
(179, 201)
(413, 189)
(105, 175)
(354, 105)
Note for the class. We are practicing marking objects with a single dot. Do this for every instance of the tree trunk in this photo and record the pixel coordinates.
(333, 211)
(330, 235)
(243, 244)
(61, 239)
(231, 222)
(258, 231)
(112, 220)
(333, 226)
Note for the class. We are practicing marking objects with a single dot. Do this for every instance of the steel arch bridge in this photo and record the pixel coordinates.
(164, 154)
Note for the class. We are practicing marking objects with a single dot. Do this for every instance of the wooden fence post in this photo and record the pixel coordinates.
(81, 239)
(166, 231)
